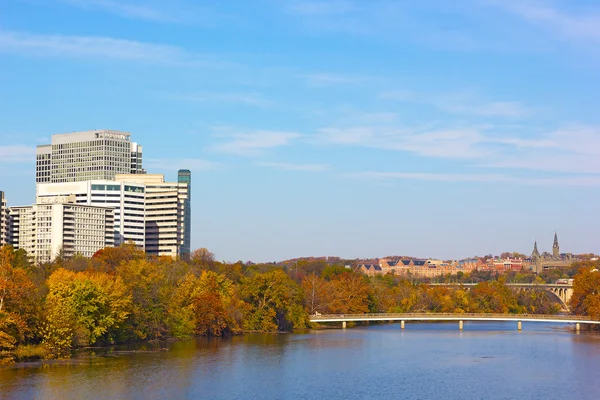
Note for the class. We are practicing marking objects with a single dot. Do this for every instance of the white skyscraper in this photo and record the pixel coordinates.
(3, 220)
(82, 156)
(56, 224)
(168, 213)
(126, 199)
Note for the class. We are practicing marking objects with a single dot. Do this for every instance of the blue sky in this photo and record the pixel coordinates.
(347, 128)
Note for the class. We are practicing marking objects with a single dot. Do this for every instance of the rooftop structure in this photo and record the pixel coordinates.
(87, 155)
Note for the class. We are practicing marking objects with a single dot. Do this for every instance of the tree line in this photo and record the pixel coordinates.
(120, 295)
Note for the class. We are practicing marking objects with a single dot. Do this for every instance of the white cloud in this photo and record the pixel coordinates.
(463, 104)
(250, 99)
(295, 167)
(480, 178)
(193, 164)
(121, 8)
(430, 176)
(584, 26)
(86, 47)
(328, 79)
(253, 142)
(314, 8)
(443, 143)
(17, 154)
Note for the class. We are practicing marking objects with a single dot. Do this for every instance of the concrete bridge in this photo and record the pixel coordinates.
(460, 318)
(560, 292)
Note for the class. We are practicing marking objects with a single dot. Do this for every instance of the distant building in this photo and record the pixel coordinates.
(128, 200)
(370, 269)
(3, 220)
(152, 213)
(88, 155)
(168, 213)
(545, 261)
(57, 224)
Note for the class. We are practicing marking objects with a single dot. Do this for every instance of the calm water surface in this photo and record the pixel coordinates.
(426, 361)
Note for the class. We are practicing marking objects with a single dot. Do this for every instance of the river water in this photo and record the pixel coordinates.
(425, 361)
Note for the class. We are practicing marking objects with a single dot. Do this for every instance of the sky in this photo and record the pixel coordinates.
(351, 128)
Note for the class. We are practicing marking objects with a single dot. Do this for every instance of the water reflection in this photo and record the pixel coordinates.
(428, 361)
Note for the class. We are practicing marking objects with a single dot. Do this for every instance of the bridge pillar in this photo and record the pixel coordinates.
(402, 324)
(519, 326)
(343, 324)
(577, 327)
(460, 325)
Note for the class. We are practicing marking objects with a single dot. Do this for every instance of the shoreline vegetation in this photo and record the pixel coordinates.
(121, 296)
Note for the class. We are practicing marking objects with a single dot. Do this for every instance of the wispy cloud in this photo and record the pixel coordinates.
(252, 142)
(479, 178)
(582, 26)
(17, 154)
(249, 99)
(328, 79)
(462, 104)
(296, 167)
(121, 8)
(172, 164)
(106, 47)
(460, 142)
(569, 149)
(331, 7)
(187, 12)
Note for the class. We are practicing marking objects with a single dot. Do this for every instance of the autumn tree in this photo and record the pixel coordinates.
(317, 293)
(351, 293)
(150, 284)
(205, 306)
(83, 308)
(18, 302)
(586, 292)
(275, 302)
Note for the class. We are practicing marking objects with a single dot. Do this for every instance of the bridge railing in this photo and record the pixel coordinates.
(325, 317)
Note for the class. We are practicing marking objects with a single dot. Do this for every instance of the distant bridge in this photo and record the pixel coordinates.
(561, 292)
(519, 318)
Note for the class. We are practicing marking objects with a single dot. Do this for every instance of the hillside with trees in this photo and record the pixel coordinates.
(120, 295)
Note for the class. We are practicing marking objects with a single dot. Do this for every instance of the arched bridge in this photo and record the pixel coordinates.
(561, 292)
(519, 318)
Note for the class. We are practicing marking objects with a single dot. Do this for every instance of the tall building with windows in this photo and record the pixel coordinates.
(3, 220)
(56, 225)
(126, 199)
(88, 155)
(168, 213)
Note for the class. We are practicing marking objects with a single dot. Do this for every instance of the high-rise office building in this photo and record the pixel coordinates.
(57, 224)
(88, 155)
(126, 199)
(168, 213)
(3, 220)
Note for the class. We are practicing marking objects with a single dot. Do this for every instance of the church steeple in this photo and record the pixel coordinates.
(535, 253)
(555, 247)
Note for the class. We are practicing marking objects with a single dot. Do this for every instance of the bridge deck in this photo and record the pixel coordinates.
(565, 319)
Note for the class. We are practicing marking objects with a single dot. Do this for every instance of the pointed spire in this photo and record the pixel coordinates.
(555, 247)
(535, 253)
(555, 240)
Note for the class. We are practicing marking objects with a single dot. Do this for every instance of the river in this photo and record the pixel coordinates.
(425, 361)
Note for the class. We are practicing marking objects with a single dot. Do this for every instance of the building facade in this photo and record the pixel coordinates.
(88, 155)
(126, 199)
(168, 213)
(56, 225)
(4, 239)
(545, 261)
